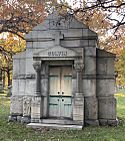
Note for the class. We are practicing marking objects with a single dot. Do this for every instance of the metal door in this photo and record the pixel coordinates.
(60, 85)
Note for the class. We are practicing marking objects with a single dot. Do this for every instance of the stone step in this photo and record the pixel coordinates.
(54, 126)
(60, 121)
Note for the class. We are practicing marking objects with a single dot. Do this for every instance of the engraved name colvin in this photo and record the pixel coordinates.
(57, 53)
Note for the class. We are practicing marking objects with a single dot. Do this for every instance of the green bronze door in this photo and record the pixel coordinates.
(60, 90)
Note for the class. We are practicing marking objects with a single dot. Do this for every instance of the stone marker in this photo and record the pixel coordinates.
(63, 76)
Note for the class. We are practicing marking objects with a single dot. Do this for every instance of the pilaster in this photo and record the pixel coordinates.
(37, 67)
(36, 101)
(36, 109)
(78, 109)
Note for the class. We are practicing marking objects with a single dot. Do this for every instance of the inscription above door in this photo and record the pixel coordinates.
(57, 53)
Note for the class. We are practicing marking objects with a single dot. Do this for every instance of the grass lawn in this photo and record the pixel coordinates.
(18, 132)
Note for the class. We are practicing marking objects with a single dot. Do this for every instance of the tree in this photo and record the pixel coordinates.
(112, 9)
(8, 47)
(20, 16)
(120, 67)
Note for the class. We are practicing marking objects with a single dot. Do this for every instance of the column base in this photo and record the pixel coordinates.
(35, 120)
(25, 119)
(19, 118)
(12, 118)
(110, 122)
(91, 122)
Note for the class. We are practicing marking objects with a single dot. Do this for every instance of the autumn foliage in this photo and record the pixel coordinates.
(20, 16)
(9, 46)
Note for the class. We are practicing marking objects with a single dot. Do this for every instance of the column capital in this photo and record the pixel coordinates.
(37, 65)
(78, 64)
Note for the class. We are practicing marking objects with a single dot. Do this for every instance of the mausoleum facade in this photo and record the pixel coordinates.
(63, 77)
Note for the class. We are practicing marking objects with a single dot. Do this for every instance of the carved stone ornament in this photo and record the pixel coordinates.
(36, 100)
(26, 106)
(78, 64)
(37, 65)
(16, 105)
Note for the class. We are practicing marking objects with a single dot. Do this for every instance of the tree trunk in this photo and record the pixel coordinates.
(3, 78)
(8, 75)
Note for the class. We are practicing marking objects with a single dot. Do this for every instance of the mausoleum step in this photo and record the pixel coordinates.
(54, 126)
(60, 121)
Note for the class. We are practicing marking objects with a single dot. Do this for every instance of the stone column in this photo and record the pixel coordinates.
(78, 65)
(36, 102)
(78, 109)
(37, 67)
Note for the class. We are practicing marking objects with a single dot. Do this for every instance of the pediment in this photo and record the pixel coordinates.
(56, 22)
(56, 52)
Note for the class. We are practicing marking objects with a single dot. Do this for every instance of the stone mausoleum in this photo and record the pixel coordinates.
(63, 78)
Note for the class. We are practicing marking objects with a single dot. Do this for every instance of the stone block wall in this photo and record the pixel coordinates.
(106, 87)
(89, 85)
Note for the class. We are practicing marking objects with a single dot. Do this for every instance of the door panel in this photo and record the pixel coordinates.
(60, 101)
(66, 107)
(66, 79)
(54, 80)
(54, 103)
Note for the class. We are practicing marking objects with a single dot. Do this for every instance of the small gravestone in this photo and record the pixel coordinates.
(63, 77)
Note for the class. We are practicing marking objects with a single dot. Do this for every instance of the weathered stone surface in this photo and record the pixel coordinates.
(55, 126)
(105, 66)
(89, 87)
(113, 122)
(90, 65)
(26, 106)
(91, 122)
(72, 33)
(19, 63)
(16, 66)
(90, 51)
(91, 108)
(15, 88)
(36, 110)
(22, 86)
(30, 87)
(61, 121)
(12, 118)
(105, 62)
(78, 110)
(74, 43)
(105, 87)
(16, 105)
(19, 118)
(107, 108)
(104, 122)
(25, 119)
(44, 87)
